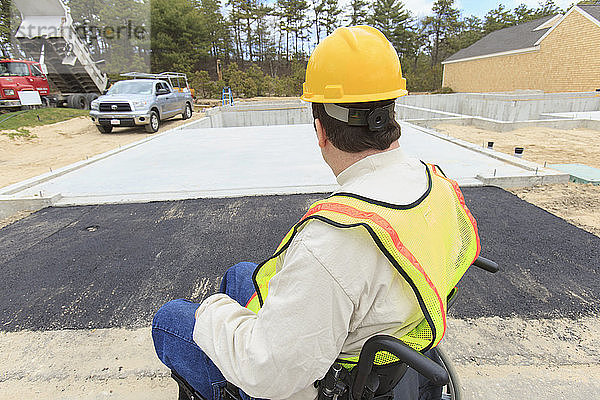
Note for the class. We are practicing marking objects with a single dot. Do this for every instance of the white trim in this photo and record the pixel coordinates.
(502, 53)
(549, 23)
(575, 8)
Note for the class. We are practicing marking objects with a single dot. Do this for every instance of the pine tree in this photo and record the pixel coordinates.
(548, 7)
(358, 12)
(522, 14)
(217, 29)
(318, 7)
(331, 14)
(396, 23)
(441, 26)
(293, 20)
(471, 30)
(498, 18)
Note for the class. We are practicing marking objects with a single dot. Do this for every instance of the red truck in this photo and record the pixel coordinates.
(21, 75)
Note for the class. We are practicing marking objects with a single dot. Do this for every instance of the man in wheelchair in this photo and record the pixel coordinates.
(377, 257)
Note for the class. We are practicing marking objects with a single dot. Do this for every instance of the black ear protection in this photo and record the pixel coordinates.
(376, 119)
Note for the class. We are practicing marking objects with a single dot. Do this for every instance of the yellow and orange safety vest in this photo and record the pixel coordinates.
(430, 242)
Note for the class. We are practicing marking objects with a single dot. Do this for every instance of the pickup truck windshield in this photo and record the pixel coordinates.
(13, 69)
(131, 87)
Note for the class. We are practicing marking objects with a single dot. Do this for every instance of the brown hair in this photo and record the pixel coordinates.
(354, 139)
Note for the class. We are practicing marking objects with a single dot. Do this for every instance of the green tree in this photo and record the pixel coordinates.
(390, 17)
(200, 81)
(471, 30)
(179, 36)
(216, 28)
(522, 14)
(331, 14)
(548, 7)
(255, 85)
(498, 18)
(293, 20)
(358, 12)
(318, 7)
(441, 27)
(263, 36)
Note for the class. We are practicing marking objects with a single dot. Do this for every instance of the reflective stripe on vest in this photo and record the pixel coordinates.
(432, 255)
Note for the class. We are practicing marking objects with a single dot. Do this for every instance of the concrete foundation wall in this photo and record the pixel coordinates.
(256, 114)
(500, 106)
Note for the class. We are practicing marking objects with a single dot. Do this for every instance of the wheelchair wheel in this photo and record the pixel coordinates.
(452, 391)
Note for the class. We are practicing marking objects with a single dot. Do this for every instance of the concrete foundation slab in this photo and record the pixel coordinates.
(226, 162)
(215, 157)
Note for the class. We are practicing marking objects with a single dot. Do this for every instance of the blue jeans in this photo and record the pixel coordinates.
(172, 332)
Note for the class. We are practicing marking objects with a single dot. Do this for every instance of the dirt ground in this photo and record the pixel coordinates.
(577, 203)
(64, 143)
(500, 358)
(554, 146)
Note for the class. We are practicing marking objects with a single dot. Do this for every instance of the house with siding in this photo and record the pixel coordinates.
(559, 53)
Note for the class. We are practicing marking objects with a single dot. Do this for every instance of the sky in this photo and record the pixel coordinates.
(476, 7)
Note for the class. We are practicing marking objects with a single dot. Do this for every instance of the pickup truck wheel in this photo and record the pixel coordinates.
(104, 128)
(154, 123)
(187, 114)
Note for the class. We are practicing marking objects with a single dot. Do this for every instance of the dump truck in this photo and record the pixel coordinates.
(46, 31)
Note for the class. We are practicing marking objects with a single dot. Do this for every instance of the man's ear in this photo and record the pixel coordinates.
(321, 137)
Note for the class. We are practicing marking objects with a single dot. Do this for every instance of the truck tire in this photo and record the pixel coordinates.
(81, 102)
(104, 128)
(154, 124)
(187, 113)
(78, 101)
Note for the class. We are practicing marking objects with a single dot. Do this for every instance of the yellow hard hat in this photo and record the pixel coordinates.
(354, 64)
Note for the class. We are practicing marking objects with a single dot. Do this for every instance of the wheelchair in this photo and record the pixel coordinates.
(368, 381)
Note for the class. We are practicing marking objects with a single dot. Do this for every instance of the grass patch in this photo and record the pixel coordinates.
(22, 133)
(20, 120)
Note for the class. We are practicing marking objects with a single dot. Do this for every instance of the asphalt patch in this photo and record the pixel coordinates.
(114, 265)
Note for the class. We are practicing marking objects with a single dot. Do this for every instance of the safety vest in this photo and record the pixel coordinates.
(430, 242)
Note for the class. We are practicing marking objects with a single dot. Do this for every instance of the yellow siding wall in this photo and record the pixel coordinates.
(568, 61)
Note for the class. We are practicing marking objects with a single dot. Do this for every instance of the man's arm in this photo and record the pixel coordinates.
(294, 338)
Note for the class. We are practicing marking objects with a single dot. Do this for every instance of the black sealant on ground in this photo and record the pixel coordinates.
(114, 265)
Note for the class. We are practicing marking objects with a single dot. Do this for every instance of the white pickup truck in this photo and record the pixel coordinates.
(145, 101)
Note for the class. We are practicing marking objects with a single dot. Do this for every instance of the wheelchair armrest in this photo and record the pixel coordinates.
(417, 361)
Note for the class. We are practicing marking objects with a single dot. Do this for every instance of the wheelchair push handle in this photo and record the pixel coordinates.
(420, 363)
(486, 264)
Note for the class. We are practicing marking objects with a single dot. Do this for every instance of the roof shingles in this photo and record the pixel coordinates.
(516, 37)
